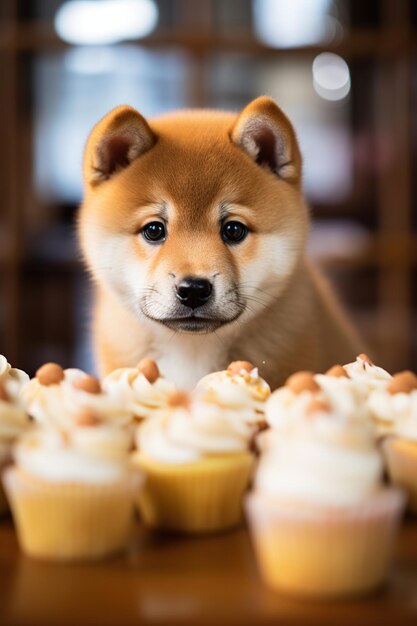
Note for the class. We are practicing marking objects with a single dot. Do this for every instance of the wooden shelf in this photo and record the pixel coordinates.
(386, 42)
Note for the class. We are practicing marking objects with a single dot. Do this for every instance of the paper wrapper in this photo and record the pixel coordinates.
(70, 521)
(401, 461)
(203, 496)
(324, 552)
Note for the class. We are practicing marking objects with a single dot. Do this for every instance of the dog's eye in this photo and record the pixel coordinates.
(154, 232)
(234, 232)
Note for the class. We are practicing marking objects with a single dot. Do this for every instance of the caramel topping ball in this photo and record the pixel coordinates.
(149, 369)
(178, 398)
(87, 418)
(317, 406)
(365, 358)
(50, 374)
(3, 393)
(302, 381)
(337, 371)
(87, 383)
(237, 366)
(403, 382)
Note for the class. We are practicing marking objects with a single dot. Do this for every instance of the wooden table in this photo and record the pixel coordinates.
(166, 579)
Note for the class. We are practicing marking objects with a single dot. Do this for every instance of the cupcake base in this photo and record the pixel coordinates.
(200, 497)
(65, 521)
(324, 552)
(401, 461)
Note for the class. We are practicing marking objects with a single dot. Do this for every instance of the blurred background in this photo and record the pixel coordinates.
(343, 70)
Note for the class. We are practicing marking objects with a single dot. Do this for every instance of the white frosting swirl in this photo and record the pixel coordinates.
(395, 413)
(284, 406)
(142, 397)
(13, 421)
(96, 454)
(327, 459)
(13, 379)
(185, 434)
(344, 396)
(59, 404)
(36, 397)
(371, 375)
(245, 390)
(13, 418)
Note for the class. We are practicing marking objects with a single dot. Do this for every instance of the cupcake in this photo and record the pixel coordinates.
(72, 493)
(321, 520)
(55, 397)
(13, 418)
(144, 389)
(398, 403)
(238, 390)
(197, 466)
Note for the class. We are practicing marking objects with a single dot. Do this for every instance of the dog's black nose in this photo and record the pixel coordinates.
(194, 292)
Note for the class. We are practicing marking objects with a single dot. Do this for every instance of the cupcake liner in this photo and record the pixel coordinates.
(70, 521)
(203, 496)
(401, 461)
(324, 552)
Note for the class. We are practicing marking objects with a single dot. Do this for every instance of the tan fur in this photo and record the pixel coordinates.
(186, 168)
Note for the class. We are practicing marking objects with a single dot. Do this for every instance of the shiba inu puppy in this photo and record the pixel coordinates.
(194, 227)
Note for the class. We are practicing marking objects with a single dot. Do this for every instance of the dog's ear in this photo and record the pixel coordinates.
(118, 139)
(265, 133)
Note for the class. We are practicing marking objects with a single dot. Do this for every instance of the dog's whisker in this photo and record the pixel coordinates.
(250, 296)
(255, 299)
(264, 291)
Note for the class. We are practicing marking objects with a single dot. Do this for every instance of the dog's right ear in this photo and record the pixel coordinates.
(119, 138)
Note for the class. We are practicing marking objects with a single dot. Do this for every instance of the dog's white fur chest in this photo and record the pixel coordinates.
(186, 359)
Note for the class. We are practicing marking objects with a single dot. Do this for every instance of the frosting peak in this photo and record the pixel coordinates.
(145, 392)
(12, 379)
(13, 418)
(236, 390)
(365, 371)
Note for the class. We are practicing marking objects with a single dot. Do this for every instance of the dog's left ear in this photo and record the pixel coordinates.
(265, 133)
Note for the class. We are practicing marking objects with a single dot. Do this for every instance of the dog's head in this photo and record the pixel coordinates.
(196, 218)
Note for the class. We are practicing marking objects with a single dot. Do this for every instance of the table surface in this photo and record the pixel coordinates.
(167, 579)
